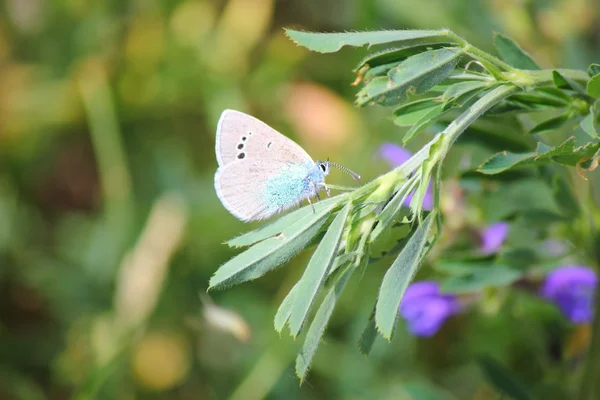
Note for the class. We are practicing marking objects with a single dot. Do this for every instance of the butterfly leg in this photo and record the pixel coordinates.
(311, 204)
(316, 191)
(327, 190)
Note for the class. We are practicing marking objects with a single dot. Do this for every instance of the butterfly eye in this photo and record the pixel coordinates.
(323, 167)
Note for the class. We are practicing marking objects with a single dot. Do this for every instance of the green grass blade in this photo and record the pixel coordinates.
(316, 271)
(398, 277)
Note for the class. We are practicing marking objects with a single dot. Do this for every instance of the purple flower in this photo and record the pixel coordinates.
(572, 288)
(492, 237)
(396, 156)
(425, 309)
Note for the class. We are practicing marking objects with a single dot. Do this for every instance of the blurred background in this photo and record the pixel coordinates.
(110, 227)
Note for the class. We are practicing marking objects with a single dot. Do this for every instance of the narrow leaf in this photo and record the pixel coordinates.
(332, 42)
(502, 379)
(270, 253)
(566, 154)
(512, 53)
(319, 323)
(415, 75)
(278, 226)
(588, 125)
(398, 54)
(316, 271)
(426, 120)
(550, 125)
(398, 277)
(365, 343)
(285, 310)
(410, 113)
(593, 86)
(459, 89)
(562, 82)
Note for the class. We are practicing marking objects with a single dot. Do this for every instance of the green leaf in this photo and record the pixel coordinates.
(539, 100)
(593, 70)
(398, 277)
(588, 125)
(270, 253)
(460, 89)
(386, 217)
(319, 323)
(566, 154)
(367, 338)
(562, 82)
(332, 42)
(278, 226)
(512, 53)
(426, 120)
(476, 277)
(502, 379)
(415, 75)
(593, 86)
(410, 113)
(285, 310)
(398, 54)
(550, 125)
(316, 271)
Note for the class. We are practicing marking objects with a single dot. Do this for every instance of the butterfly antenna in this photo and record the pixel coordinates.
(353, 174)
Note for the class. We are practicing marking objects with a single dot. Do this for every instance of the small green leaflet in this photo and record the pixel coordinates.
(551, 124)
(589, 126)
(270, 253)
(278, 226)
(593, 70)
(398, 277)
(367, 338)
(332, 42)
(319, 323)
(410, 113)
(566, 153)
(512, 53)
(593, 86)
(415, 75)
(316, 271)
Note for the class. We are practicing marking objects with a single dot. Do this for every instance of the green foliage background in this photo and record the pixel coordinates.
(110, 227)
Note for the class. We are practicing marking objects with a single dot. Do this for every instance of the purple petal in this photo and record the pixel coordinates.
(425, 309)
(416, 290)
(492, 237)
(572, 289)
(394, 154)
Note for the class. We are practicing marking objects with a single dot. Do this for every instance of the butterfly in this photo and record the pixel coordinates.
(262, 172)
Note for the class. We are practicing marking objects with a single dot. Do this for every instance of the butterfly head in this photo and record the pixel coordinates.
(325, 166)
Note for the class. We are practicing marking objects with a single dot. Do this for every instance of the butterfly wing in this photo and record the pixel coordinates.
(241, 136)
(253, 188)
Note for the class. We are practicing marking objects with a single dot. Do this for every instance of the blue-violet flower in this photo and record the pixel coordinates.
(425, 309)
